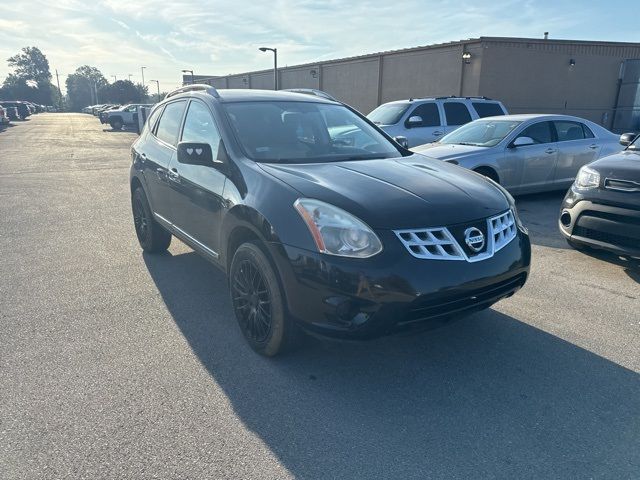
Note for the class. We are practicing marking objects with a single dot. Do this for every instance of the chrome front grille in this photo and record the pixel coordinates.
(439, 244)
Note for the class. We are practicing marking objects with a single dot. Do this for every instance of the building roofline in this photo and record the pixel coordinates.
(469, 41)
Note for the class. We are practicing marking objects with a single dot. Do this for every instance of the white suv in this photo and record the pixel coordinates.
(425, 120)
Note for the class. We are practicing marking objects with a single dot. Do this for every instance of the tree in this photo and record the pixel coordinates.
(31, 79)
(122, 92)
(82, 86)
(31, 64)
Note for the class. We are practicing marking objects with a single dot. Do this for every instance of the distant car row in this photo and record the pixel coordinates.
(117, 116)
(16, 110)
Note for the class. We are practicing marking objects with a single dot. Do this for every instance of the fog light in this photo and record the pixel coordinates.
(565, 218)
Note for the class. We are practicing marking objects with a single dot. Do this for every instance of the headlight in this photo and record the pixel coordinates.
(337, 232)
(587, 178)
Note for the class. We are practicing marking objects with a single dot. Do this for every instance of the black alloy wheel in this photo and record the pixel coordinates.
(258, 301)
(252, 301)
(152, 236)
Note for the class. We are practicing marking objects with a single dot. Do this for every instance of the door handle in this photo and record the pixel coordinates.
(550, 150)
(437, 133)
(593, 146)
(173, 175)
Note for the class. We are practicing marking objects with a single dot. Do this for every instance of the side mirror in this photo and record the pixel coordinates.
(402, 141)
(522, 142)
(195, 154)
(626, 139)
(414, 121)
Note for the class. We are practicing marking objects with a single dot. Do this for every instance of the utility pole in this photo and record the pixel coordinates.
(142, 71)
(275, 64)
(59, 91)
(158, 85)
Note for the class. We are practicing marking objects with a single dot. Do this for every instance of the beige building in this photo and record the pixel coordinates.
(590, 79)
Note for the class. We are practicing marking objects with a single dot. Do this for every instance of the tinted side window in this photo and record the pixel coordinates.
(169, 124)
(429, 113)
(151, 120)
(587, 132)
(569, 131)
(199, 127)
(487, 109)
(539, 132)
(456, 113)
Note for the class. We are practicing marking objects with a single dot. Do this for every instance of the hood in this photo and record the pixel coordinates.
(623, 166)
(443, 151)
(396, 193)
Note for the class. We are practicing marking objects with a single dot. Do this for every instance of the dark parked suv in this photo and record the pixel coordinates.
(602, 208)
(319, 219)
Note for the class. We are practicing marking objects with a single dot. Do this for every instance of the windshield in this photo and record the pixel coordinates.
(305, 132)
(481, 133)
(635, 145)
(388, 114)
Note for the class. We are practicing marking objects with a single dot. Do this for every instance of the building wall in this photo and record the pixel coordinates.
(527, 75)
(355, 83)
(537, 77)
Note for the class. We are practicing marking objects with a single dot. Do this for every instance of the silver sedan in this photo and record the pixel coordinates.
(525, 153)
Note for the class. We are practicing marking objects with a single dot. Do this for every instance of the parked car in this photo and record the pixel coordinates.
(4, 117)
(602, 207)
(12, 112)
(23, 110)
(122, 116)
(525, 153)
(426, 120)
(344, 241)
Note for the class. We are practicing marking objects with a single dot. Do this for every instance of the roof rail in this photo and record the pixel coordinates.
(311, 91)
(199, 87)
(468, 98)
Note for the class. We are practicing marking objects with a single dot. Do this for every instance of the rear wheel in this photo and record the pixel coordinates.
(152, 236)
(258, 302)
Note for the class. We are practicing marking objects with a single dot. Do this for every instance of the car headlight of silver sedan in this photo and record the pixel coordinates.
(587, 178)
(337, 232)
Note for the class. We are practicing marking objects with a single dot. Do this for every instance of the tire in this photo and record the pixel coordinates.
(258, 302)
(116, 124)
(152, 236)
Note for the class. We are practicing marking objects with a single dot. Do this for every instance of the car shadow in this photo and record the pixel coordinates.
(484, 397)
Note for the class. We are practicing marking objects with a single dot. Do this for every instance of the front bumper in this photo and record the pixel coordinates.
(607, 226)
(366, 298)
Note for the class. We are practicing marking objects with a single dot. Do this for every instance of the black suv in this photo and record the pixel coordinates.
(602, 207)
(319, 219)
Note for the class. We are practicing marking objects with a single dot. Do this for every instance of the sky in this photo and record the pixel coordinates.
(222, 37)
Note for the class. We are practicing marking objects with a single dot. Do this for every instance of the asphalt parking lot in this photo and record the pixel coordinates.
(115, 364)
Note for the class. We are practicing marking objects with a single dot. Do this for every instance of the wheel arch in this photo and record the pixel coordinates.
(488, 171)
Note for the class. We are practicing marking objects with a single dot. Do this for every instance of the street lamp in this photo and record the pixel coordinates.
(191, 72)
(158, 85)
(275, 64)
(142, 71)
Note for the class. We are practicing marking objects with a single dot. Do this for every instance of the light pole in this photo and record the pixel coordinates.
(191, 72)
(130, 77)
(115, 79)
(275, 64)
(157, 85)
(142, 71)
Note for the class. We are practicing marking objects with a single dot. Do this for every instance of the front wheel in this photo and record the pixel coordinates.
(116, 124)
(258, 302)
(152, 236)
